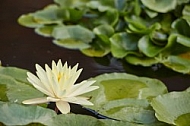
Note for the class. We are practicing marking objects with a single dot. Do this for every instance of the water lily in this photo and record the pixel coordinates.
(59, 85)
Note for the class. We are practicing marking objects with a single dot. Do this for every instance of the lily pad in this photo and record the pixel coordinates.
(178, 63)
(27, 20)
(14, 72)
(173, 108)
(75, 32)
(15, 86)
(124, 97)
(74, 120)
(71, 44)
(161, 6)
(147, 47)
(45, 31)
(121, 43)
(140, 60)
(48, 15)
(15, 114)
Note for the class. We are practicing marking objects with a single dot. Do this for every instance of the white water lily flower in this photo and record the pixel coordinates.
(59, 85)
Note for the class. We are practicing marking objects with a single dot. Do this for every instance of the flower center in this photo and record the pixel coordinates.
(59, 76)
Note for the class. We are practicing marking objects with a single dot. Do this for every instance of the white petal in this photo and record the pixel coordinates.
(82, 88)
(64, 107)
(70, 82)
(37, 84)
(36, 101)
(79, 100)
(41, 73)
(52, 99)
(52, 78)
(59, 65)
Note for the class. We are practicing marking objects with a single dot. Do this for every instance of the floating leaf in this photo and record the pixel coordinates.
(15, 114)
(164, 106)
(124, 97)
(123, 42)
(183, 40)
(71, 44)
(162, 6)
(147, 47)
(182, 27)
(183, 120)
(48, 15)
(96, 50)
(27, 20)
(14, 72)
(75, 32)
(45, 31)
(74, 120)
(178, 63)
(17, 87)
(20, 92)
(71, 3)
(138, 60)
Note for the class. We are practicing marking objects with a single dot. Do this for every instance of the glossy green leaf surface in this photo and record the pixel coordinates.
(160, 5)
(125, 97)
(15, 114)
(14, 84)
(73, 32)
(74, 120)
(164, 106)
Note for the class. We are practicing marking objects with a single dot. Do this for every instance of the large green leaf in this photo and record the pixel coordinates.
(14, 72)
(71, 44)
(74, 120)
(147, 47)
(178, 63)
(15, 114)
(75, 32)
(71, 3)
(27, 20)
(140, 60)
(173, 108)
(14, 84)
(104, 32)
(183, 120)
(124, 97)
(45, 31)
(132, 86)
(121, 43)
(182, 27)
(162, 6)
(48, 15)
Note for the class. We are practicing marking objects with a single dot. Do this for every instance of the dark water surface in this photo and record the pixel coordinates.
(21, 47)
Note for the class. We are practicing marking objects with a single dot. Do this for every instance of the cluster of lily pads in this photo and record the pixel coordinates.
(124, 99)
(142, 32)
